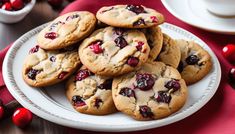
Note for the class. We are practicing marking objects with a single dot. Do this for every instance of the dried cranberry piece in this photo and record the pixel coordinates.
(96, 46)
(82, 74)
(106, 85)
(97, 102)
(52, 58)
(62, 75)
(126, 91)
(132, 61)
(72, 17)
(53, 25)
(180, 67)
(145, 111)
(144, 81)
(78, 101)
(139, 22)
(34, 49)
(120, 42)
(32, 73)
(173, 84)
(51, 35)
(139, 46)
(136, 8)
(119, 31)
(154, 19)
(163, 97)
(192, 60)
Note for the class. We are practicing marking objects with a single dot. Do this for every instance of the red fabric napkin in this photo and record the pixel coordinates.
(217, 116)
(5, 96)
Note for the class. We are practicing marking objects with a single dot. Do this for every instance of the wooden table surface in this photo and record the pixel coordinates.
(41, 13)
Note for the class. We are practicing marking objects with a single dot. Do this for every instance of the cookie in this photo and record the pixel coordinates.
(66, 30)
(44, 68)
(114, 51)
(129, 16)
(153, 92)
(154, 38)
(170, 52)
(90, 93)
(195, 62)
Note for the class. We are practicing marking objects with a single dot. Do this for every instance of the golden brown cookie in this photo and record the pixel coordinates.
(195, 62)
(154, 38)
(170, 52)
(129, 16)
(90, 93)
(153, 92)
(44, 68)
(114, 51)
(66, 30)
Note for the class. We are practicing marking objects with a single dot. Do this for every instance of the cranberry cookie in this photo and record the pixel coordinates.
(195, 62)
(170, 52)
(153, 92)
(129, 16)
(114, 51)
(67, 30)
(90, 93)
(155, 40)
(44, 68)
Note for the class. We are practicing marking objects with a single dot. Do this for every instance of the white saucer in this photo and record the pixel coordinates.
(194, 12)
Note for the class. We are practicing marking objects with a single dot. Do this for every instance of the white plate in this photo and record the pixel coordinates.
(51, 104)
(194, 12)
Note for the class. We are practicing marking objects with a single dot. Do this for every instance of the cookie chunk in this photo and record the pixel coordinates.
(129, 16)
(154, 38)
(44, 68)
(90, 93)
(66, 30)
(195, 62)
(153, 92)
(114, 51)
(170, 52)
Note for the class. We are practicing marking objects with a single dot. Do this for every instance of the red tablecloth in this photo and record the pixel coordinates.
(216, 117)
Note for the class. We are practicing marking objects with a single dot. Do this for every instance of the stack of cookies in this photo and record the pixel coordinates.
(127, 64)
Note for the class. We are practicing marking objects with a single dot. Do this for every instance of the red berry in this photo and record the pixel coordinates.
(55, 3)
(7, 6)
(17, 4)
(154, 19)
(51, 35)
(96, 47)
(229, 52)
(1, 112)
(232, 74)
(22, 117)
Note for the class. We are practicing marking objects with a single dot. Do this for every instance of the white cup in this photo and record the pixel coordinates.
(221, 7)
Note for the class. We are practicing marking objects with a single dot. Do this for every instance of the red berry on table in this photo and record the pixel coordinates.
(229, 52)
(17, 4)
(7, 6)
(22, 117)
(232, 74)
(1, 112)
(1, 109)
(55, 3)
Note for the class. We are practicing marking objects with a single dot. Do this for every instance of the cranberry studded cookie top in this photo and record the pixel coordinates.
(195, 62)
(154, 91)
(66, 30)
(90, 93)
(43, 68)
(114, 51)
(129, 16)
